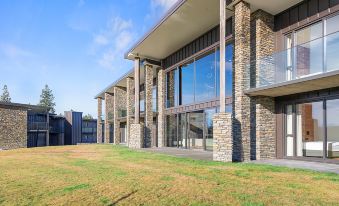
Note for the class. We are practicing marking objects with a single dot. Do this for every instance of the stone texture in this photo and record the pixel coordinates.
(161, 107)
(148, 105)
(13, 127)
(263, 108)
(109, 115)
(136, 136)
(241, 102)
(99, 122)
(222, 137)
(120, 101)
(130, 106)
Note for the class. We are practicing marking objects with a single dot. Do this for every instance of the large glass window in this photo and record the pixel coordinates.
(309, 50)
(187, 83)
(332, 43)
(205, 85)
(310, 129)
(333, 129)
(228, 72)
(199, 80)
(154, 99)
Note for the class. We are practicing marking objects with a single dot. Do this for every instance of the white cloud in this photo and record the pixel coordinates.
(110, 44)
(162, 4)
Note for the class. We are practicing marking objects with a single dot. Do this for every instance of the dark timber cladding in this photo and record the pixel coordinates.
(202, 42)
(301, 12)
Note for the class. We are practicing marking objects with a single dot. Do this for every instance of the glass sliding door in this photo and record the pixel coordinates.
(332, 114)
(171, 130)
(310, 130)
(209, 128)
(182, 132)
(196, 130)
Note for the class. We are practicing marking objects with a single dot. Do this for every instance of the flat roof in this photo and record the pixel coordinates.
(109, 88)
(25, 106)
(189, 19)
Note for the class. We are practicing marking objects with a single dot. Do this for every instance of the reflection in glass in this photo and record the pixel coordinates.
(333, 129)
(209, 128)
(229, 70)
(171, 130)
(205, 78)
(309, 50)
(187, 82)
(196, 130)
(289, 131)
(154, 99)
(332, 43)
(310, 129)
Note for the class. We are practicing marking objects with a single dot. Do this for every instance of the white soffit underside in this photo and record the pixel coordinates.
(272, 6)
(192, 19)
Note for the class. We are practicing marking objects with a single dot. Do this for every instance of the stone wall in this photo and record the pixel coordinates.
(241, 102)
(136, 136)
(262, 45)
(222, 137)
(109, 115)
(148, 106)
(161, 107)
(13, 127)
(130, 106)
(99, 122)
(120, 102)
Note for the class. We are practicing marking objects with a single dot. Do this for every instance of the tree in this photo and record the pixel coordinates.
(47, 98)
(5, 95)
(88, 117)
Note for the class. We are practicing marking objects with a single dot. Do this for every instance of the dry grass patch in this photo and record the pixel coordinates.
(110, 175)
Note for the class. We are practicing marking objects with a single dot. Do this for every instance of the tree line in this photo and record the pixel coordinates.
(46, 97)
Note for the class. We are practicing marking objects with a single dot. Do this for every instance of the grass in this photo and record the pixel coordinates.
(111, 175)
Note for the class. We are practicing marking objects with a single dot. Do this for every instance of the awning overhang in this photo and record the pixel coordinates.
(307, 84)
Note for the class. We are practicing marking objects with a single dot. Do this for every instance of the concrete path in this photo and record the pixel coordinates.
(316, 166)
(193, 154)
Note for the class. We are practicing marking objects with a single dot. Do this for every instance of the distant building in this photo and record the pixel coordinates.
(23, 125)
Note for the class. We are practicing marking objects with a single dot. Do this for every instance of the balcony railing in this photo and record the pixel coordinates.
(37, 126)
(315, 57)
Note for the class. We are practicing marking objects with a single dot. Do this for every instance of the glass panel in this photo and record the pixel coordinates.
(196, 130)
(209, 128)
(187, 82)
(171, 130)
(333, 129)
(289, 131)
(332, 43)
(182, 137)
(310, 129)
(205, 78)
(289, 72)
(309, 50)
(229, 70)
(154, 99)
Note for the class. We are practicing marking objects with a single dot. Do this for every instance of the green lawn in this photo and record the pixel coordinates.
(109, 175)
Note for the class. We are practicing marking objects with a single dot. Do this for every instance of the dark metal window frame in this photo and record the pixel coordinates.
(284, 105)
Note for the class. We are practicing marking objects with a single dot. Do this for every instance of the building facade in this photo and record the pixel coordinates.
(247, 80)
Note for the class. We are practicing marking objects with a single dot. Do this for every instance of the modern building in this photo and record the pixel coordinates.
(23, 125)
(89, 131)
(246, 79)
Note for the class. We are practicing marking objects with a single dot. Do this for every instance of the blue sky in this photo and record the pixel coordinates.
(74, 46)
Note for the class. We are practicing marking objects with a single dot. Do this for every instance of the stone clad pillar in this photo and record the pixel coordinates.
(222, 137)
(130, 105)
(161, 107)
(119, 105)
(99, 121)
(263, 41)
(241, 102)
(148, 105)
(109, 115)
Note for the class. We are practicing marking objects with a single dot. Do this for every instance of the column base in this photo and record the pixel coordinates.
(222, 137)
(136, 136)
